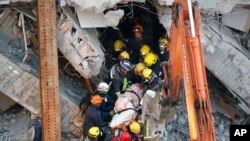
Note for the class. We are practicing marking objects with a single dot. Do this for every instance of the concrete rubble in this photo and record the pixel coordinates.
(238, 19)
(227, 59)
(80, 46)
(20, 82)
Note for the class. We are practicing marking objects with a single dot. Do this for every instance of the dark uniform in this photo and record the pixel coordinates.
(152, 83)
(133, 48)
(92, 118)
(116, 80)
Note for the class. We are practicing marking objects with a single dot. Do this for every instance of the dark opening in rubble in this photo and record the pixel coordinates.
(144, 14)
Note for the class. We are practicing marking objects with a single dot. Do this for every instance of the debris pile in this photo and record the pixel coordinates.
(177, 129)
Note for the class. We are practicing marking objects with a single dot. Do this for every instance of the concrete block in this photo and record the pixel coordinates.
(5, 102)
(238, 19)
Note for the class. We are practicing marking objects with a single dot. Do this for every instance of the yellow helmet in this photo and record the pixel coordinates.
(163, 42)
(147, 73)
(118, 45)
(139, 68)
(138, 28)
(150, 59)
(94, 132)
(124, 55)
(135, 127)
(145, 49)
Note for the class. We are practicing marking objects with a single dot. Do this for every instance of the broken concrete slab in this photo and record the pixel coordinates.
(80, 46)
(94, 20)
(229, 62)
(23, 88)
(221, 6)
(238, 19)
(20, 81)
(6, 103)
(97, 6)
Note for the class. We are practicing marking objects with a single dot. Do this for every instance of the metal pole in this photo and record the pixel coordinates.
(49, 77)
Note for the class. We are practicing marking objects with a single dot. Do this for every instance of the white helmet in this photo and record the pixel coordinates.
(103, 87)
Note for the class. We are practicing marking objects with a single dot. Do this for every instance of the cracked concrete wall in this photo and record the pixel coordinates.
(227, 59)
(20, 81)
(80, 46)
(23, 87)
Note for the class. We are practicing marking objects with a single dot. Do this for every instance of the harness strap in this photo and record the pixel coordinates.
(131, 91)
(126, 110)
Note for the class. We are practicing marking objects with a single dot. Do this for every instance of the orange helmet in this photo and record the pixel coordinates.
(138, 28)
(96, 99)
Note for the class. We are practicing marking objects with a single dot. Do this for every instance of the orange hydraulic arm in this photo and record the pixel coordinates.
(187, 69)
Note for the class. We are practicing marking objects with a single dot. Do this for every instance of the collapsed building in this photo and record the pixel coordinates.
(85, 33)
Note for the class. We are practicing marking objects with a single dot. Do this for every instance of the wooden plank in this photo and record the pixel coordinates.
(49, 80)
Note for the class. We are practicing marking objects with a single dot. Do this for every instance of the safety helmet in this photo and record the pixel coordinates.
(94, 132)
(150, 59)
(135, 127)
(125, 64)
(124, 55)
(103, 87)
(96, 99)
(139, 68)
(125, 136)
(147, 73)
(138, 28)
(145, 49)
(163, 42)
(119, 45)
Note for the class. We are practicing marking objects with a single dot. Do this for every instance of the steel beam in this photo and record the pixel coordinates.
(49, 80)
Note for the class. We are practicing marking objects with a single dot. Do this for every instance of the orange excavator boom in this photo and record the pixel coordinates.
(187, 69)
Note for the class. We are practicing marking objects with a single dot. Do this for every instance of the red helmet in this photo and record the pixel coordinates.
(125, 136)
(115, 138)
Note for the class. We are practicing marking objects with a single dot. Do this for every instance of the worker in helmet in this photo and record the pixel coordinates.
(134, 44)
(135, 131)
(93, 134)
(151, 60)
(124, 136)
(123, 56)
(151, 79)
(117, 78)
(107, 103)
(163, 45)
(145, 49)
(119, 46)
(90, 108)
(135, 76)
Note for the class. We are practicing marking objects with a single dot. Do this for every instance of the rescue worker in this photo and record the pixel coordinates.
(92, 113)
(119, 46)
(106, 106)
(123, 56)
(136, 75)
(163, 58)
(135, 129)
(145, 49)
(124, 136)
(151, 60)
(163, 45)
(151, 79)
(118, 80)
(93, 134)
(135, 43)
